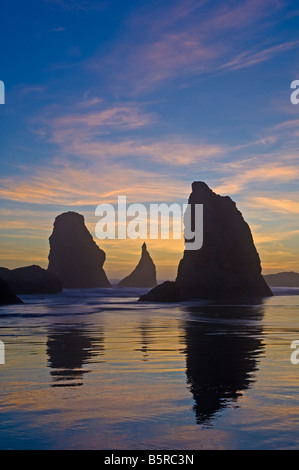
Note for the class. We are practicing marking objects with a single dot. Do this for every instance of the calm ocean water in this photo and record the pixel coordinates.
(95, 369)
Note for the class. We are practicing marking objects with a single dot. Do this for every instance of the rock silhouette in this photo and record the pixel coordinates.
(31, 280)
(144, 275)
(168, 291)
(284, 279)
(6, 295)
(74, 256)
(227, 264)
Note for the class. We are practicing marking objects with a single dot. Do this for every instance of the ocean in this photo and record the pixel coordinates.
(96, 369)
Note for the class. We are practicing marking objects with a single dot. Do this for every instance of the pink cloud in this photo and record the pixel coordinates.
(81, 134)
(118, 117)
(84, 5)
(66, 185)
(188, 40)
(236, 15)
(249, 58)
(242, 177)
(172, 151)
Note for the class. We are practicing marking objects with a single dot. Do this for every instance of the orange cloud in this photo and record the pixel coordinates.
(264, 173)
(282, 206)
(66, 185)
(121, 117)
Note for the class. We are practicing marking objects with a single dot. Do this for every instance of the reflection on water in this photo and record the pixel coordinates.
(69, 350)
(145, 340)
(91, 370)
(223, 344)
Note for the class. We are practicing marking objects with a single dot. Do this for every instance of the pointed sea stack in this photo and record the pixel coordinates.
(144, 275)
(74, 256)
(227, 265)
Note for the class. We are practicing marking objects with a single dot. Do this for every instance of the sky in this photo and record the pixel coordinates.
(139, 99)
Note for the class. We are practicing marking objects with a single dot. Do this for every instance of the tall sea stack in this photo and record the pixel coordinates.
(144, 275)
(227, 265)
(74, 256)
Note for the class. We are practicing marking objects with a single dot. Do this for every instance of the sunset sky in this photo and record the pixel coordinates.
(139, 98)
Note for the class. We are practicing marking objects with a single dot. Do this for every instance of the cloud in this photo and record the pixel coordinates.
(154, 21)
(87, 120)
(31, 89)
(249, 58)
(84, 5)
(270, 237)
(17, 255)
(174, 55)
(75, 186)
(179, 56)
(59, 29)
(237, 15)
(281, 206)
(242, 177)
(173, 151)
(83, 131)
(188, 40)
(119, 117)
(289, 127)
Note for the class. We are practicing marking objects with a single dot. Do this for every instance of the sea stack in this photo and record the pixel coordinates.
(227, 265)
(74, 256)
(144, 275)
(7, 297)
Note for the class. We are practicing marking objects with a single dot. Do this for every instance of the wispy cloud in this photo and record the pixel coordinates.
(85, 5)
(119, 117)
(65, 185)
(268, 237)
(235, 15)
(252, 57)
(59, 29)
(189, 40)
(174, 55)
(31, 89)
(280, 206)
(88, 119)
(87, 133)
(244, 174)
(172, 151)
(289, 128)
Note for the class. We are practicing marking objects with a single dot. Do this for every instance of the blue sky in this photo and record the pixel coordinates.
(108, 98)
